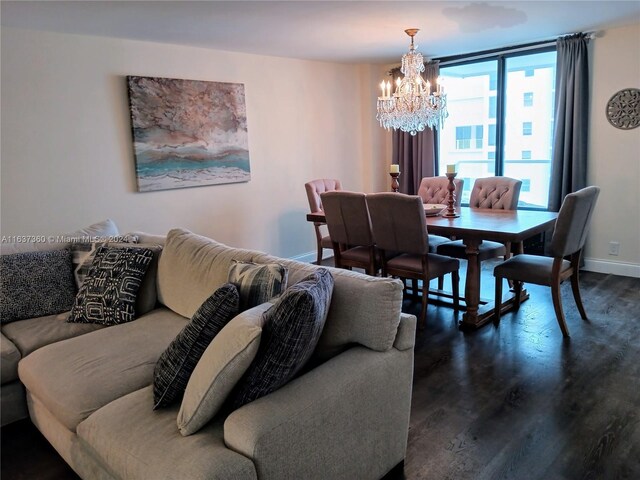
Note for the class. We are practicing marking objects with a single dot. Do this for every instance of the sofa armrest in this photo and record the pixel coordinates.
(346, 419)
(406, 335)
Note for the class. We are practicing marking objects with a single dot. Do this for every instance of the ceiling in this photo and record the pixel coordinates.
(340, 31)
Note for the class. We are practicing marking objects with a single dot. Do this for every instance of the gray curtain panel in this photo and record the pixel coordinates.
(415, 154)
(569, 165)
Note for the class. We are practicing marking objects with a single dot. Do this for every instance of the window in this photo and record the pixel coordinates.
(479, 131)
(512, 147)
(528, 99)
(493, 80)
(463, 138)
(469, 136)
(493, 106)
(492, 135)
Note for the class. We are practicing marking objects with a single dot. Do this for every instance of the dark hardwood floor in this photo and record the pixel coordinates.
(512, 401)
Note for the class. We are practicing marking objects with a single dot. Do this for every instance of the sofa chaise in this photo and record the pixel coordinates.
(89, 388)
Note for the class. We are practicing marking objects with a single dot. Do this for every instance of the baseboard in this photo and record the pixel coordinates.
(624, 269)
(309, 257)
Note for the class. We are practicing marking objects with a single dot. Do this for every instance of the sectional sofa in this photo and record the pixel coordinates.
(88, 388)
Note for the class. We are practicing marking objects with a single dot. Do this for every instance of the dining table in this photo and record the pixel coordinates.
(473, 226)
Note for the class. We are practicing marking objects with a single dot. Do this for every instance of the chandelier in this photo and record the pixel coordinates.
(412, 106)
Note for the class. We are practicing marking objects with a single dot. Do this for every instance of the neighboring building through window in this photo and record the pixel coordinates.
(512, 147)
(493, 106)
(528, 99)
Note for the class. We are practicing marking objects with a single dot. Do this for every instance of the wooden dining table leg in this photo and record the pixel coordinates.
(472, 284)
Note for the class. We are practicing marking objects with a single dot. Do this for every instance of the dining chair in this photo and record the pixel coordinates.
(400, 229)
(569, 235)
(434, 190)
(497, 193)
(314, 189)
(349, 225)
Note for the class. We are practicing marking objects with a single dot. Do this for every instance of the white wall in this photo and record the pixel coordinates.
(67, 156)
(614, 155)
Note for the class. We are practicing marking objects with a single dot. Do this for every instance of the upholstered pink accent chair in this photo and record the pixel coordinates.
(568, 239)
(434, 190)
(349, 226)
(400, 229)
(314, 189)
(497, 193)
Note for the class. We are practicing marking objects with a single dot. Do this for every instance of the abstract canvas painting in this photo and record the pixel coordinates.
(188, 133)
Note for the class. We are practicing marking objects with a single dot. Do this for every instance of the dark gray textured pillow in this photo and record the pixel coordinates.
(35, 284)
(177, 362)
(108, 293)
(257, 283)
(290, 334)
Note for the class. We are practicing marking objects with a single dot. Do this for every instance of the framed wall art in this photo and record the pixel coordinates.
(188, 133)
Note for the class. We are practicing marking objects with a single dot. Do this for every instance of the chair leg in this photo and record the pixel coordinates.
(557, 305)
(517, 289)
(455, 284)
(441, 282)
(319, 256)
(555, 294)
(414, 287)
(498, 299)
(425, 302)
(575, 285)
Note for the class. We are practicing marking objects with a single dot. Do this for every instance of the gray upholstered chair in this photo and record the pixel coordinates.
(347, 218)
(500, 193)
(314, 188)
(434, 190)
(568, 239)
(399, 228)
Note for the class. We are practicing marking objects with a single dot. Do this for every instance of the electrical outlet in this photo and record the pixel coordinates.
(614, 248)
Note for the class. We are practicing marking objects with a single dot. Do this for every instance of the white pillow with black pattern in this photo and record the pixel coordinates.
(257, 283)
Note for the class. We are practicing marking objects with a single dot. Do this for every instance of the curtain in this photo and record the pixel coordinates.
(569, 164)
(415, 154)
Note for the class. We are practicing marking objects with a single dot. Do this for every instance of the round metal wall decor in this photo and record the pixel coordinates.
(623, 109)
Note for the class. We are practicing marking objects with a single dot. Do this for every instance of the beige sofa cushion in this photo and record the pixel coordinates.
(33, 333)
(220, 368)
(139, 443)
(364, 309)
(192, 267)
(9, 358)
(75, 377)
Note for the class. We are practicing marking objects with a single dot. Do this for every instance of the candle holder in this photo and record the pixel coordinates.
(394, 182)
(450, 211)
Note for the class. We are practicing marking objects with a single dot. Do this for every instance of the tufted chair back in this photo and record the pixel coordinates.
(434, 190)
(316, 187)
(500, 193)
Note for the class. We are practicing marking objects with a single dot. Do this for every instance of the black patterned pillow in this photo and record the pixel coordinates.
(108, 293)
(257, 283)
(35, 284)
(83, 253)
(290, 334)
(177, 362)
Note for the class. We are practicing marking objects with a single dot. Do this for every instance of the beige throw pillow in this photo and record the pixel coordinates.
(223, 363)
